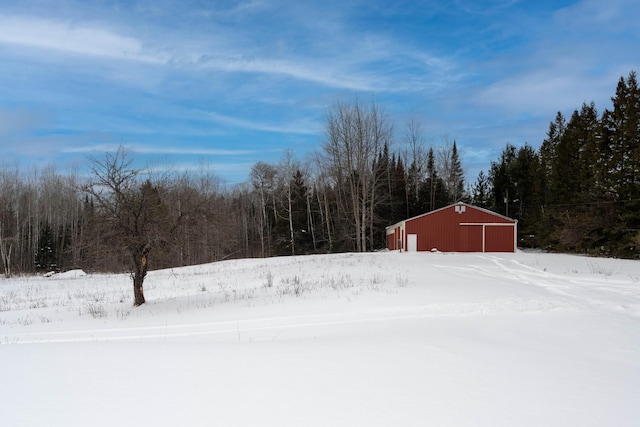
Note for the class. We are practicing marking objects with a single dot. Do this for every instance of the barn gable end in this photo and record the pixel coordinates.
(455, 228)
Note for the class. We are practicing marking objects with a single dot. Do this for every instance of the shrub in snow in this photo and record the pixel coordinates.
(268, 282)
(95, 309)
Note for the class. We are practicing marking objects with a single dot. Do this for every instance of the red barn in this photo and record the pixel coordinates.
(456, 228)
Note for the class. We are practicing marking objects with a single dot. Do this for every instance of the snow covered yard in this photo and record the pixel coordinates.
(382, 339)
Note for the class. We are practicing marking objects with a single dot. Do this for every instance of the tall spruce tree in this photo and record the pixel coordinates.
(302, 227)
(620, 149)
(502, 188)
(574, 187)
(46, 255)
(544, 233)
(401, 210)
(413, 194)
(480, 192)
(455, 180)
(433, 186)
(513, 183)
(524, 172)
(384, 213)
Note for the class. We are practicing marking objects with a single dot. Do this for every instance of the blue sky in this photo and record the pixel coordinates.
(228, 83)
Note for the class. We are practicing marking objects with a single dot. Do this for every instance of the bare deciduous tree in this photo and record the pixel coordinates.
(137, 218)
(263, 180)
(286, 169)
(6, 250)
(355, 135)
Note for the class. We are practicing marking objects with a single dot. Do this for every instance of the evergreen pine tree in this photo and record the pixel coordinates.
(456, 176)
(386, 210)
(300, 215)
(502, 189)
(620, 149)
(480, 195)
(401, 210)
(523, 172)
(413, 194)
(544, 233)
(432, 183)
(45, 257)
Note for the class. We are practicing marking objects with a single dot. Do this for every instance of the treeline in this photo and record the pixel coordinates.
(50, 222)
(579, 192)
(340, 199)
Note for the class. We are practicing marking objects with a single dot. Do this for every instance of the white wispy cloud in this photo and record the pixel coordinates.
(14, 121)
(154, 149)
(303, 127)
(483, 8)
(613, 15)
(538, 92)
(241, 10)
(259, 73)
(344, 64)
(233, 172)
(71, 38)
(563, 65)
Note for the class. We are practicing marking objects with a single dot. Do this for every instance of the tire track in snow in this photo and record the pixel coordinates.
(233, 328)
(580, 292)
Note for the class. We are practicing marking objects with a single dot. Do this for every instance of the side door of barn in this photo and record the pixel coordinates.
(412, 242)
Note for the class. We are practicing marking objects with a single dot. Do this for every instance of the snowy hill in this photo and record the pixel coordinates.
(377, 339)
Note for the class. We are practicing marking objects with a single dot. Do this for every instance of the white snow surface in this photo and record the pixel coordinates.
(375, 339)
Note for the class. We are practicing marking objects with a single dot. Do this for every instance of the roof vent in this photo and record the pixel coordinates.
(461, 208)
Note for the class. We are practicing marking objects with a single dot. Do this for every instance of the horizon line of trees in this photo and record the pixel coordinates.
(580, 192)
(123, 219)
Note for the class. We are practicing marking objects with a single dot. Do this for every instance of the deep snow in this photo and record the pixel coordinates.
(386, 339)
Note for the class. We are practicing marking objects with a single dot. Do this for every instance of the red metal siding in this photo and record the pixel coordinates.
(442, 230)
(470, 239)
